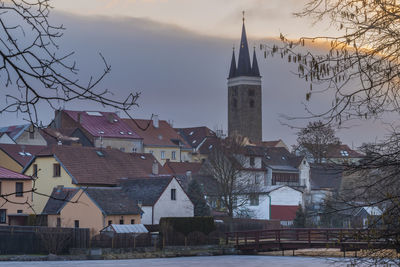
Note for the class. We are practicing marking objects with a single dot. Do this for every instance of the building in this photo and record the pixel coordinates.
(66, 136)
(244, 94)
(22, 134)
(16, 200)
(161, 140)
(16, 157)
(200, 139)
(92, 207)
(159, 197)
(77, 166)
(180, 168)
(103, 129)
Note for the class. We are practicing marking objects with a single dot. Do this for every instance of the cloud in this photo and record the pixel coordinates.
(181, 74)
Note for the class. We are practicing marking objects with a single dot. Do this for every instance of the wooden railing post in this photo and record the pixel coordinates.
(309, 236)
(279, 236)
(226, 238)
(327, 235)
(237, 238)
(257, 238)
(245, 238)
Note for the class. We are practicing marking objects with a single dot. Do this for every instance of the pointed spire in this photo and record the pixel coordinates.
(232, 71)
(254, 68)
(244, 67)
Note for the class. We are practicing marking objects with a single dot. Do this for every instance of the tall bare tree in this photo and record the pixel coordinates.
(35, 71)
(315, 139)
(361, 69)
(226, 163)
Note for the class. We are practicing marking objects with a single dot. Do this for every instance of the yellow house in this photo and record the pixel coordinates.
(93, 208)
(15, 189)
(76, 166)
(161, 140)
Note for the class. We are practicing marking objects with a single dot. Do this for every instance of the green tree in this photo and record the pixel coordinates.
(300, 219)
(196, 194)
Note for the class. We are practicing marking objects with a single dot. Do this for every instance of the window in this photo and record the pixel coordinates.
(122, 149)
(134, 149)
(251, 92)
(76, 223)
(254, 201)
(19, 211)
(56, 170)
(3, 215)
(173, 194)
(151, 152)
(121, 221)
(252, 163)
(19, 188)
(31, 135)
(173, 155)
(162, 154)
(58, 222)
(133, 221)
(235, 91)
(35, 170)
(251, 103)
(109, 222)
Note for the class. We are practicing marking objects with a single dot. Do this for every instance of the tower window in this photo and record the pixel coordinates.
(251, 92)
(251, 103)
(234, 103)
(234, 92)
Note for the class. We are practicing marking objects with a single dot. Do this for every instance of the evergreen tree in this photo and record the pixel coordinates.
(300, 219)
(196, 194)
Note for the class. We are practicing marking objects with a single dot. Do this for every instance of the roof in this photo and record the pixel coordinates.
(59, 197)
(325, 176)
(112, 200)
(194, 136)
(14, 131)
(146, 190)
(278, 158)
(283, 213)
(342, 151)
(105, 124)
(208, 183)
(9, 174)
(244, 67)
(22, 154)
(125, 228)
(94, 166)
(164, 135)
(182, 167)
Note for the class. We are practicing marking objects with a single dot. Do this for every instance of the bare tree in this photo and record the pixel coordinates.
(361, 69)
(226, 163)
(314, 141)
(33, 68)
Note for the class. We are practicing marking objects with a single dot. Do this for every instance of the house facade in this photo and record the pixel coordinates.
(23, 135)
(159, 197)
(16, 199)
(161, 140)
(93, 208)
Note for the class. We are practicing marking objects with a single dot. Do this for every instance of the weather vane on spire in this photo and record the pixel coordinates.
(243, 15)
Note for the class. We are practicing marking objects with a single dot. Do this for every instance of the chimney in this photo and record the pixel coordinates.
(189, 175)
(110, 118)
(79, 117)
(154, 168)
(155, 121)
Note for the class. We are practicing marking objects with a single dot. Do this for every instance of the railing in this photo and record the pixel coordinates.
(301, 235)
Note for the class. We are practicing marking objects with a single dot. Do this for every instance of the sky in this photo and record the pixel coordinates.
(176, 53)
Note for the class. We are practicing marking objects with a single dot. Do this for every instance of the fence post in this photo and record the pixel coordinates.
(226, 238)
(309, 236)
(237, 238)
(279, 236)
(245, 238)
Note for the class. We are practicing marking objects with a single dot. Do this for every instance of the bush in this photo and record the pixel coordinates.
(186, 225)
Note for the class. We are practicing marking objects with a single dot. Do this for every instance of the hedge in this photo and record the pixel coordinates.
(187, 225)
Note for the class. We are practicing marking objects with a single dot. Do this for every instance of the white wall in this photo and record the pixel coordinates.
(147, 214)
(165, 207)
(5, 139)
(304, 175)
(286, 196)
(261, 211)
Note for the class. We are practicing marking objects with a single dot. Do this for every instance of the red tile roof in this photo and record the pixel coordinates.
(9, 174)
(339, 151)
(182, 167)
(283, 213)
(93, 166)
(105, 124)
(21, 153)
(164, 135)
(195, 135)
(269, 143)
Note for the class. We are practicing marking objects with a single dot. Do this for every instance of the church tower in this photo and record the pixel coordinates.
(244, 94)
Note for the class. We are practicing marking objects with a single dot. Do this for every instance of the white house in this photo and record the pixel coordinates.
(159, 197)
